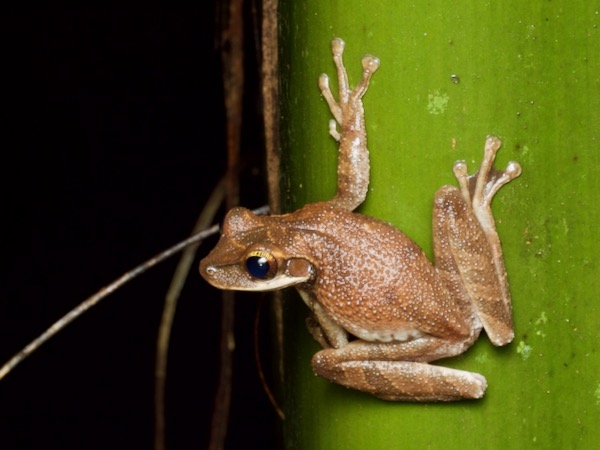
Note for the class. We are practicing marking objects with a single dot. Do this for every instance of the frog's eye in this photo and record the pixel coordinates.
(261, 264)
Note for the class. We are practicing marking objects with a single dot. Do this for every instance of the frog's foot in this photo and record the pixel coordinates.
(479, 188)
(348, 112)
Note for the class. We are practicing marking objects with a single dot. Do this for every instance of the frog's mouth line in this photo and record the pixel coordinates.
(280, 281)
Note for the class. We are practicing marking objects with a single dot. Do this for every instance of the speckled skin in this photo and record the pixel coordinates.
(380, 309)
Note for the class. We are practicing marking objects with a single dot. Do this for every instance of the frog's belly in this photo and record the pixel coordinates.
(385, 335)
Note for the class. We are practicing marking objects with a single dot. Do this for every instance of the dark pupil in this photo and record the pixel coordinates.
(258, 266)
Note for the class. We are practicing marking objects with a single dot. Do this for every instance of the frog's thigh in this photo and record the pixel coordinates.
(405, 381)
(457, 235)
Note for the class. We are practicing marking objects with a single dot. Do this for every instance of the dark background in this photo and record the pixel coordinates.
(112, 137)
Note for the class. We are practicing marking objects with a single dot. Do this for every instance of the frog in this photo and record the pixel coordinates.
(379, 308)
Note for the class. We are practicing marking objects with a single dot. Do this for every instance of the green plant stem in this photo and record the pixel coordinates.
(451, 74)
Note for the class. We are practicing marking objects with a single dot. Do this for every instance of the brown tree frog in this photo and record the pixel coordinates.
(380, 309)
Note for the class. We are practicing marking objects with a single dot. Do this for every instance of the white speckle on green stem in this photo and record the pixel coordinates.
(524, 350)
(437, 102)
(540, 324)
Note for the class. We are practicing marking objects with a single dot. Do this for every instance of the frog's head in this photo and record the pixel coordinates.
(247, 259)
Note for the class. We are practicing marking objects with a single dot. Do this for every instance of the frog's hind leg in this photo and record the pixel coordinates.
(467, 247)
(348, 110)
(402, 380)
(348, 113)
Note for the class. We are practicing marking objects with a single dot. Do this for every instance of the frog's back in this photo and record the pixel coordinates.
(370, 277)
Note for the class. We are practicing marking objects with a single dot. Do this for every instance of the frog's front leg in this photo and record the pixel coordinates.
(324, 330)
(353, 163)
